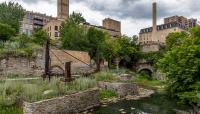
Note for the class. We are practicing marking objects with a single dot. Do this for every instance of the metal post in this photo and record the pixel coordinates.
(47, 59)
(67, 73)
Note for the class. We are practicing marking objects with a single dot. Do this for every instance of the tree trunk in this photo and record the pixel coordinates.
(98, 62)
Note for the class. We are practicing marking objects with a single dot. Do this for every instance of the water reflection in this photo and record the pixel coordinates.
(156, 104)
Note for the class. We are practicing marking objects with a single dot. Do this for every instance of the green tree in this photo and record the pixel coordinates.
(175, 39)
(182, 66)
(123, 48)
(129, 49)
(11, 13)
(76, 18)
(39, 36)
(96, 45)
(6, 32)
(73, 36)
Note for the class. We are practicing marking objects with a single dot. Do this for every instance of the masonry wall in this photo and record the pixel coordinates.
(69, 104)
(122, 89)
(22, 65)
(35, 66)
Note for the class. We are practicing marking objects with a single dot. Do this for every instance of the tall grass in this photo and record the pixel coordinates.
(11, 91)
(105, 76)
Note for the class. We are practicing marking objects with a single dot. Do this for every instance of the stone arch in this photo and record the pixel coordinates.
(57, 70)
(147, 71)
(147, 68)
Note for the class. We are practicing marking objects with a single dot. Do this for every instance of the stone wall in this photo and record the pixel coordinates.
(22, 65)
(74, 103)
(35, 66)
(122, 89)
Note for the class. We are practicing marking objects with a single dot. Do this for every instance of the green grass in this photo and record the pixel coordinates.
(105, 76)
(35, 90)
(106, 94)
(146, 81)
(11, 110)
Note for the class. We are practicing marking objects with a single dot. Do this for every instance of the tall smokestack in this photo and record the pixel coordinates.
(154, 16)
(63, 9)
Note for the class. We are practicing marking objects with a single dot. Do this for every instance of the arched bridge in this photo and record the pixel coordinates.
(145, 66)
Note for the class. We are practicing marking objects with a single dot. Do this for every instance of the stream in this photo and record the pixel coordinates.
(155, 104)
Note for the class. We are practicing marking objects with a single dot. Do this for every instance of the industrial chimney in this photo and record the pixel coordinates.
(154, 17)
(63, 9)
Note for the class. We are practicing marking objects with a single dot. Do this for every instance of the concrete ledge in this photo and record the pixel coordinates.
(73, 103)
(122, 89)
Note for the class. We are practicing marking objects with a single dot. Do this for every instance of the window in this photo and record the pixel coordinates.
(56, 28)
(27, 31)
(56, 34)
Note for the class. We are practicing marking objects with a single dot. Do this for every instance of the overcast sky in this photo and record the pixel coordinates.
(133, 14)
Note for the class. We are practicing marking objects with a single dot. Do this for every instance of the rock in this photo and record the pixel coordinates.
(121, 110)
(48, 92)
(125, 77)
(132, 108)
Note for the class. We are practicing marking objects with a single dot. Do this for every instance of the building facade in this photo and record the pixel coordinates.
(112, 33)
(53, 28)
(145, 35)
(112, 24)
(32, 21)
(189, 23)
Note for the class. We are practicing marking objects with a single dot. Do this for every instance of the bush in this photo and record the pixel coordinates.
(105, 76)
(105, 94)
(81, 84)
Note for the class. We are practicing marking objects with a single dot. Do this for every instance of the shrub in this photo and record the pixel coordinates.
(105, 76)
(81, 84)
(105, 94)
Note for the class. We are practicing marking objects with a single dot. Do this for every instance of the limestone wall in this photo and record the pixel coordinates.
(74, 103)
(122, 89)
(22, 65)
(35, 66)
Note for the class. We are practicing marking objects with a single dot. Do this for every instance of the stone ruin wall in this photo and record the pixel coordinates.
(18, 65)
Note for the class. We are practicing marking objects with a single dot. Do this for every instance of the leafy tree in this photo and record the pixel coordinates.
(39, 36)
(6, 32)
(22, 39)
(175, 39)
(182, 66)
(96, 45)
(128, 49)
(76, 18)
(73, 36)
(112, 50)
(11, 13)
(123, 48)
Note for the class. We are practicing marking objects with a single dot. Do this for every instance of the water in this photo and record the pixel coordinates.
(156, 104)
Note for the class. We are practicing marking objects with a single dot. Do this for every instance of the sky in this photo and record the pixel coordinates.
(133, 14)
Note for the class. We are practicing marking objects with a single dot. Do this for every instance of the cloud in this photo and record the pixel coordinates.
(134, 14)
(141, 9)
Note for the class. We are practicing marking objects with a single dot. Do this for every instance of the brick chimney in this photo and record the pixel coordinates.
(154, 18)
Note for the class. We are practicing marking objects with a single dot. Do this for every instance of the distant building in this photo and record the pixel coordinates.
(151, 38)
(112, 24)
(54, 25)
(53, 28)
(112, 27)
(32, 21)
(145, 35)
(189, 23)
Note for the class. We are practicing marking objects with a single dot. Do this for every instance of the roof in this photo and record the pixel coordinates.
(163, 27)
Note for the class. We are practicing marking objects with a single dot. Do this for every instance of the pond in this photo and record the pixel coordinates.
(156, 104)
